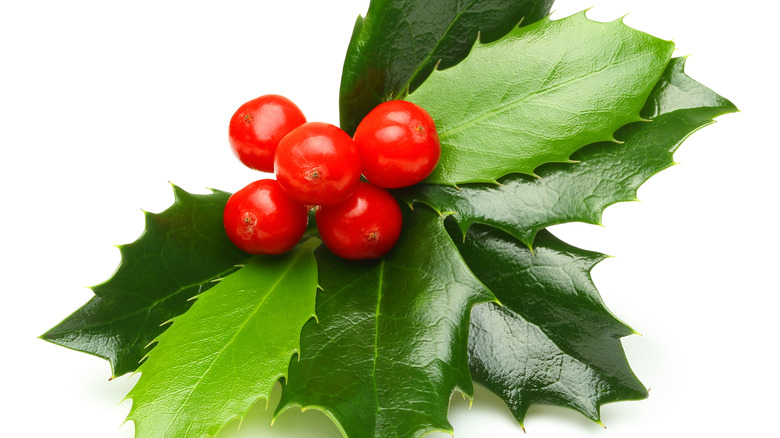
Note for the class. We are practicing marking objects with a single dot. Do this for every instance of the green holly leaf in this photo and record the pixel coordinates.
(396, 46)
(537, 95)
(552, 341)
(390, 345)
(179, 255)
(228, 350)
(605, 173)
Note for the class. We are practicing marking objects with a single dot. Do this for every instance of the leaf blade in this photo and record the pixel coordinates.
(399, 321)
(537, 95)
(228, 350)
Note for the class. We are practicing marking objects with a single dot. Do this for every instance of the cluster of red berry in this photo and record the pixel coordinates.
(318, 165)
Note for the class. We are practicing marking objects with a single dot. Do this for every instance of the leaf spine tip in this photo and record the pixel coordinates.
(178, 192)
(584, 13)
(446, 214)
(621, 19)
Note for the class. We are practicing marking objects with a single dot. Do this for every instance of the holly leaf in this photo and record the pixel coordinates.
(396, 46)
(537, 95)
(390, 345)
(228, 350)
(552, 341)
(605, 173)
(179, 255)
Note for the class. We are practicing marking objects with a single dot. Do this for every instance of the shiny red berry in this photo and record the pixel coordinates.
(262, 219)
(365, 226)
(317, 164)
(258, 125)
(398, 144)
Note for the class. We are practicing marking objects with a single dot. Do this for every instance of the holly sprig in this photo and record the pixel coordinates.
(541, 124)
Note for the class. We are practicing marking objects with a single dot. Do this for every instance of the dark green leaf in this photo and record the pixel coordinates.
(390, 346)
(537, 95)
(228, 350)
(606, 173)
(399, 42)
(552, 341)
(179, 255)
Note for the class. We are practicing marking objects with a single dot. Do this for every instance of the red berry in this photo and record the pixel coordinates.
(365, 226)
(258, 125)
(398, 144)
(262, 219)
(317, 164)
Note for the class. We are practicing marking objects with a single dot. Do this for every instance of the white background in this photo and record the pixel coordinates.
(102, 103)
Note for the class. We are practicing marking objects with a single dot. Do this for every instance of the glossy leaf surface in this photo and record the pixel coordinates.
(398, 43)
(180, 253)
(390, 346)
(537, 95)
(228, 350)
(605, 173)
(552, 341)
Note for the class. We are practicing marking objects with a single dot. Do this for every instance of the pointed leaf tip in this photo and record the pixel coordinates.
(151, 284)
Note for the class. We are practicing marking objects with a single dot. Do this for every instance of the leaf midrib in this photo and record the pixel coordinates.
(380, 287)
